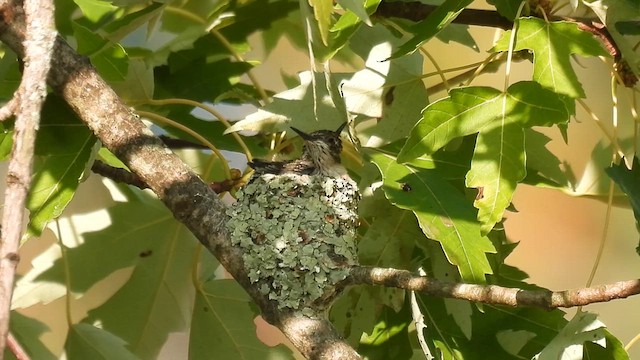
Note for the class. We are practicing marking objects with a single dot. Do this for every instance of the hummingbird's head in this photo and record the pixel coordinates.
(323, 147)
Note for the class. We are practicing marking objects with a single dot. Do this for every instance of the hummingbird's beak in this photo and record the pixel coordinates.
(339, 130)
(301, 133)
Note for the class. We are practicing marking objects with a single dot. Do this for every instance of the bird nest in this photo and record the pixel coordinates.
(297, 233)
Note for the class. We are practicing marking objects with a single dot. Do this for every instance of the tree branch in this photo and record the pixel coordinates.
(190, 200)
(117, 174)
(493, 294)
(37, 43)
(417, 11)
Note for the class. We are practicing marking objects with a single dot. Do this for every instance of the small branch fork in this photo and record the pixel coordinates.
(492, 294)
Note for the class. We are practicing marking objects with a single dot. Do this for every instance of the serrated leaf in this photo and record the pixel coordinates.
(109, 58)
(63, 148)
(392, 91)
(157, 298)
(429, 27)
(301, 107)
(94, 10)
(498, 163)
(322, 10)
(568, 344)
(553, 44)
(629, 181)
(222, 323)
(118, 29)
(443, 214)
(505, 333)
(85, 341)
(358, 8)
(481, 109)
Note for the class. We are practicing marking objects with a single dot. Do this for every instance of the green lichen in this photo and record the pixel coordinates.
(297, 233)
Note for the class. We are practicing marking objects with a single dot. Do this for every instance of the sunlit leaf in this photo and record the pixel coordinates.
(568, 344)
(63, 147)
(443, 214)
(322, 10)
(358, 8)
(391, 91)
(553, 44)
(309, 106)
(498, 162)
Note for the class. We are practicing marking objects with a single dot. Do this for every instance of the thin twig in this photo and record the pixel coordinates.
(493, 294)
(8, 109)
(16, 349)
(118, 175)
(38, 43)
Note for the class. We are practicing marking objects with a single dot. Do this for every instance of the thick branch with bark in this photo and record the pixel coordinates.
(492, 294)
(190, 200)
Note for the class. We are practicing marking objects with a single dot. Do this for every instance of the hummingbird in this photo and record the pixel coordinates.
(320, 156)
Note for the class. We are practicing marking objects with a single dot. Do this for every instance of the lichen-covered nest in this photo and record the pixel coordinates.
(297, 233)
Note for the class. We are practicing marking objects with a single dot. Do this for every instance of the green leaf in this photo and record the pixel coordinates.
(481, 109)
(614, 349)
(27, 332)
(498, 165)
(392, 91)
(138, 84)
(430, 26)
(390, 239)
(358, 8)
(629, 181)
(118, 29)
(322, 10)
(85, 341)
(505, 333)
(95, 10)
(157, 298)
(390, 337)
(222, 322)
(498, 162)
(443, 214)
(568, 344)
(309, 106)
(63, 148)
(506, 8)
(553, 44)
(110, 59)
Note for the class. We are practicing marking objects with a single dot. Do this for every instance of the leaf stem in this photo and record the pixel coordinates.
(210, 110)
(612, 139)
(438, 69)
(161, 119)
(603, 238)
(67, 273)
